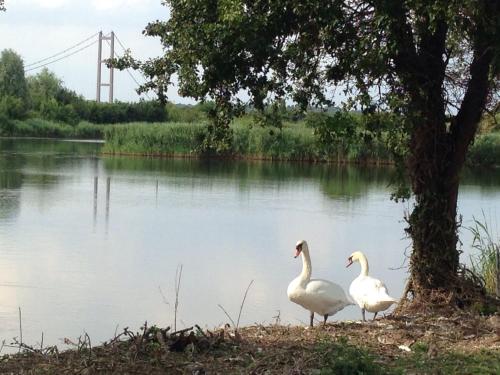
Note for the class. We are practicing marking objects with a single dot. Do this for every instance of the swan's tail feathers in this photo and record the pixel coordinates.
(390, 300)
(386, 297)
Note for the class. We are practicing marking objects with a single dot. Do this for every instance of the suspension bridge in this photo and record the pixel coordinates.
(96, 39)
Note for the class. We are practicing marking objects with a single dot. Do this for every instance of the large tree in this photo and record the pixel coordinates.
(12, 78)
(43, 87)
(434, 63)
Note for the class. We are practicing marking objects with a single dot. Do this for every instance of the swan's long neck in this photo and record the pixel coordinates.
(364, 265)
(305, 275)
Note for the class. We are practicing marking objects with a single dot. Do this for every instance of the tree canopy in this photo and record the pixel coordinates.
(434, 63)
(12, 79)
(14, 96)
(43, 86)
(305, 49)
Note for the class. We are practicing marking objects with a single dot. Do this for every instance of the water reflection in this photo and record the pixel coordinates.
(346, 182)
(86, 237)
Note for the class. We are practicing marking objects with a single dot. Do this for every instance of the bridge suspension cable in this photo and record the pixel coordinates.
(59, 53)
(61, 58)
(127, 69)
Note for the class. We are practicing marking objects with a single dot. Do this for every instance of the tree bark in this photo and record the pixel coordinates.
(437, 155)
(432, 224)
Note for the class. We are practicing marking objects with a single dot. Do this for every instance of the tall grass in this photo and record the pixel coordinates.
(294, 141)
(48, 129)
(486, 263)
(290, 143)
(154, 139)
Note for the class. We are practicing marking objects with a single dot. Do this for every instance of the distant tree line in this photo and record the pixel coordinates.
(44, 96)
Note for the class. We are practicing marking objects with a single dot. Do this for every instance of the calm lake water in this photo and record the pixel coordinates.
(79, 260)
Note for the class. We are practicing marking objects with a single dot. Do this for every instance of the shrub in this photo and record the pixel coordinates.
(486, 150)
(12, 107)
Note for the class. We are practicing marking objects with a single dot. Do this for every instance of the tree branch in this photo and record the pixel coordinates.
(465, 124)
(405, 56)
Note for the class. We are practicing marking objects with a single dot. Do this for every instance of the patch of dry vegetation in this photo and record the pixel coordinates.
(462, 343)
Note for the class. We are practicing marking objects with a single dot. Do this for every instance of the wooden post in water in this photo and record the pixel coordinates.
(108, 193)
(108, 190)
(156, 195)
(96, 181)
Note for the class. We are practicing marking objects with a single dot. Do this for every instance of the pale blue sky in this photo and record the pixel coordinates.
(37, 29)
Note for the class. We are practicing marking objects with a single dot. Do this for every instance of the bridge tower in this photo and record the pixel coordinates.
(100, 61)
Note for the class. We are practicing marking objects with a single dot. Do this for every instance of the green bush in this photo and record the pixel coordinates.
(113, 113)
(486, 150)
(187, 113)
(6, 125)
(36, 127)
(13, 107)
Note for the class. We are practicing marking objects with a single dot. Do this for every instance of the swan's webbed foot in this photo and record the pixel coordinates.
(312, 319)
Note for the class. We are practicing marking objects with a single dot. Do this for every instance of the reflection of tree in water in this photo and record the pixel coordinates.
(488, 179)
(243, 171)
(335, 181)
(48, 147)
(37, 162)
(11, 180)
(352, 182)
(10, 203)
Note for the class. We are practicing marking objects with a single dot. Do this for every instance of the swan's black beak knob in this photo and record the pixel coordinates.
(298, 249)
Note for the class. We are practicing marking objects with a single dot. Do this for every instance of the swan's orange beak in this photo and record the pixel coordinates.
(349, 260)
(298, 249)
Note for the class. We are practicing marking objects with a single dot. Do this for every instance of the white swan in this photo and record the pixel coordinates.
(316, 295)
(369, 293)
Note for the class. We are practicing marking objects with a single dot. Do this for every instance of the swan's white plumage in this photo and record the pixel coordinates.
(369, 293)
(316, 295)
(320, 296)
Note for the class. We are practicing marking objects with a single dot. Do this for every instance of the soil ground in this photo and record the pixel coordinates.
(457, 344)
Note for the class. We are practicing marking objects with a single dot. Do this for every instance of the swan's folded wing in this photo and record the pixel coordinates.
(383, 293)
(327, 292)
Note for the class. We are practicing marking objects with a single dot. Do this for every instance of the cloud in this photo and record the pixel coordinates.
(113, 4)
(99, 5)
(43, 3)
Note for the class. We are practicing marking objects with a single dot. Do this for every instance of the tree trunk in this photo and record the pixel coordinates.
(437, 155)
(433, 224)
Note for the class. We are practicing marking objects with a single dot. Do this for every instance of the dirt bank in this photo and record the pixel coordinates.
(459, 344)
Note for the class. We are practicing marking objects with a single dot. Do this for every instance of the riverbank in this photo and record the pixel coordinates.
(294, 142)
(460, 344)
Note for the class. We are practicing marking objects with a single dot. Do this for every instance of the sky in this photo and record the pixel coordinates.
(37, 29)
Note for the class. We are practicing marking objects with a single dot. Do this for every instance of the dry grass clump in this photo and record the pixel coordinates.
(385, 346)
